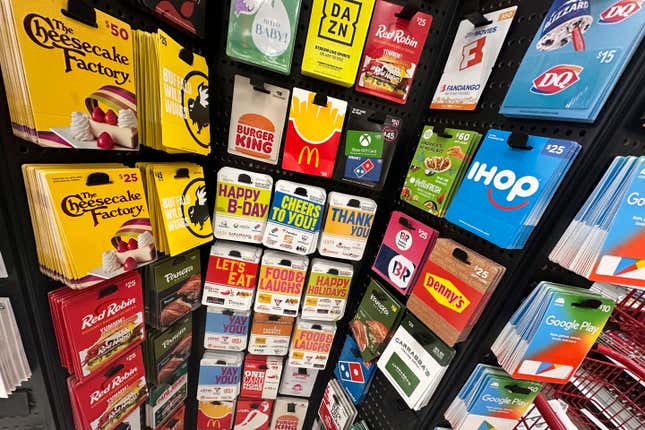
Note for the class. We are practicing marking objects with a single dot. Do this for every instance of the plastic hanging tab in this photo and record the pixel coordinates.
(408, 11)
(405, 223)
(113, 370)
(80, 11)
(181, 173)
(186, 55)
(320, 99)
(519, 140)
(460, 255)
(474, 15)
(98, 178)
(258, 85)
(377, 117)
(106, 291)
(441, 132)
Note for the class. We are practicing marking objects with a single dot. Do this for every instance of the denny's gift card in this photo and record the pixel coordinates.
(394, 45)
(241, 204)
(313, 133)
(257, 120)
(282, 278)
(337, 31)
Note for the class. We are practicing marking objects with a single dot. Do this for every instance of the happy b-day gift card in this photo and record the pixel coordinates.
(313, 133)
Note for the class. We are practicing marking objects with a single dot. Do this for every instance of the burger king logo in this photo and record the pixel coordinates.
(255, 135)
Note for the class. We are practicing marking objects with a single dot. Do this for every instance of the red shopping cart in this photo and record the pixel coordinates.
(608, 389)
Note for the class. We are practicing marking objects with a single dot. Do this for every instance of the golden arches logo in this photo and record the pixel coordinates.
(311, 153)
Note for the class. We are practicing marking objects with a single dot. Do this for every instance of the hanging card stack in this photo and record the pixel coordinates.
(313, 133)
(241, 205)
(94, 326)
(376, 316)
(90, 221)
(220, 374)
(368, 148)
(231, 276)
(172, 288)
(177, 421)
(336, 411)
(606, 240)
(509, 185)
(295, 217)
(106, 398)
(14, 367)
(491, 399)
(261, 377)
(472, 57)
(172, 84)
(405, 245)
(178, 206)
(282, 279)
(327, 290)
(166, 351)
(438, 167)
(257, 119)
(166, 399)
(311, 344)
(263, 33)
(550, 334)
(270, 334)
(187, 15)
(352, 372)
(215, 415)
(289, 413)
(253, 414)
(347, 226)
(297, 381)
(335, 39)
(392, 51)
(63, 91)
(414, 362)
(577, 56)
(226, 330)
(453, 289)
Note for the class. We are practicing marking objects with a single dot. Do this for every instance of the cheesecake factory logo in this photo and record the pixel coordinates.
(194, 208)
(102, 208)
(52, 33)
(195, 102)
(339, 19)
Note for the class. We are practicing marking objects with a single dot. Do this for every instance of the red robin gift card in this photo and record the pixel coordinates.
(394, 44)
(313, 133)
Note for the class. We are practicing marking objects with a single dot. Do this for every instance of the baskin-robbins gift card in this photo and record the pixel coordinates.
(348, 222)
(313, 133)
(282, 279)
(392, 51)
(405, 245)
(241, 205)
(257, 120)
(231, 276)
(295, 217)
(575, 59)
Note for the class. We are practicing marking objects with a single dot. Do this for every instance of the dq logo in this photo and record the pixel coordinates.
(556, 79)
(504, 180)
(311, 153)
(620, 11)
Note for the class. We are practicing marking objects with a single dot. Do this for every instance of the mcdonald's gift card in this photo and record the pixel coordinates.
(313, 133)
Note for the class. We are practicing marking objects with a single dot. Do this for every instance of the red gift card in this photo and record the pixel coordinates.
(394, 45)
(174, 422)
(106, 398)
(253, 414)
(313, 133)
(95, 325)
(232, 272)
(261, 377)
(215, 415)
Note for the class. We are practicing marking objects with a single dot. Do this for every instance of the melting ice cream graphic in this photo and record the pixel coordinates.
(565, 22)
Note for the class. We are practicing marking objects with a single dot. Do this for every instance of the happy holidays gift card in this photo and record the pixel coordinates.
(313, 133)
(327, 290)
(575, 60)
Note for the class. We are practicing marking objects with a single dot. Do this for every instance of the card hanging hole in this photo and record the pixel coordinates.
(235, 253)
(460, 255)
(408, 11)
(178, 260)
(182, 173)
(113, 370)
(300, 191)
(285, 262)
(588, 304)
(320, 99)
(332, 272)
(316, 327)
(405, 223)
(80, 11)
(441, 132)
(244, 178)
(302, 371)
(106, 291)
(354, 203)
(186, 55)
(291, 408)
(516, 389)
(97, 178)
(519, 140)
(377, 117)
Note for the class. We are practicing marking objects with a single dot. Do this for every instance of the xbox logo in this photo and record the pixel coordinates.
(365, 140)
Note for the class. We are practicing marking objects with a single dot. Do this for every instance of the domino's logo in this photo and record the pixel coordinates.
(351, 371)
(620, 11)
(506, 191)
(364, 168)
(556, 79)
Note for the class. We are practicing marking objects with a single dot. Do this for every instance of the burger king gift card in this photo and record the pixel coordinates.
(257, 120)
(391, 56)
(313, 133)
(289, 413)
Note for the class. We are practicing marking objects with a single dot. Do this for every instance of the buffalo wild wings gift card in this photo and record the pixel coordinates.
(392, 51)
(313, 133)
(95, 325)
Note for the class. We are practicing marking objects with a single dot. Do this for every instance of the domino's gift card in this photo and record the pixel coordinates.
(352, 372)
(365, 169)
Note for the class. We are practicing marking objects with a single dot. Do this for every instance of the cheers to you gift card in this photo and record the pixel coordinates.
(313, 133)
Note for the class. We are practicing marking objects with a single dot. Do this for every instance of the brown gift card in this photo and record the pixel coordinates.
(453, 289)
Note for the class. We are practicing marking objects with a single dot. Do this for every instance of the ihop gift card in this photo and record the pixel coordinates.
(575, 59)
(506, 188)
(352, 372)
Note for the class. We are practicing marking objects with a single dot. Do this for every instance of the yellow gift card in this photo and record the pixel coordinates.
(91, 222)
(335, 39)
(178, 206)
(79, 87)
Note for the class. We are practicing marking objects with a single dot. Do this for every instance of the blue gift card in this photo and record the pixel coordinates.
(363, 169)
(506, 189)
(352, 372)
(575, 59)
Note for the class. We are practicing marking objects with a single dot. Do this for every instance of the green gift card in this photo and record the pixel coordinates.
(402, 374)
(438, 166)
(262, 32)
(363, 143)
